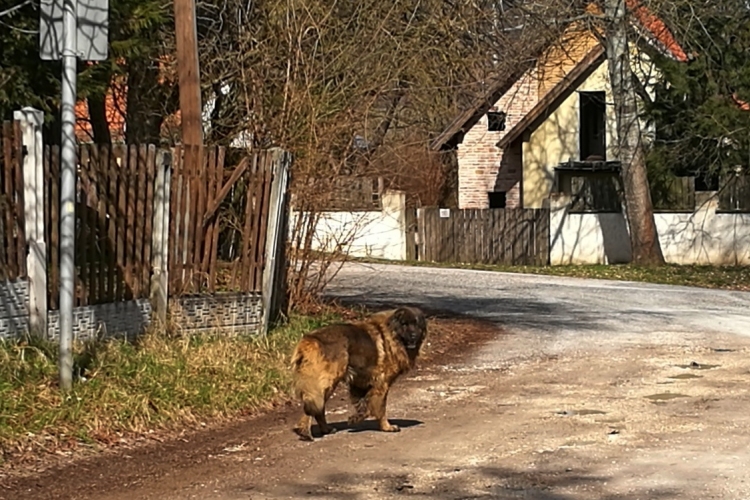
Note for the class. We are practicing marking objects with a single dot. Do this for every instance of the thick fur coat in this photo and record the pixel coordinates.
(369, 356)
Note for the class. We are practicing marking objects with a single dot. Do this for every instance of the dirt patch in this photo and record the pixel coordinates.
(92, 472)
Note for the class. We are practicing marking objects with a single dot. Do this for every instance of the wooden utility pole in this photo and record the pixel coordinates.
(188, 72)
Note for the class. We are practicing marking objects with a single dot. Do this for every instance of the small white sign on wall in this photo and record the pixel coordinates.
(445, 213)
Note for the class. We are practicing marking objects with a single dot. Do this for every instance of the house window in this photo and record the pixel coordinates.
(495, 121)
(497, 199)
(593, 138)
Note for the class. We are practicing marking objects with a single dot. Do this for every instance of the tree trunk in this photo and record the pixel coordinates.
(644, 239)
(98, 117)
(145, 104)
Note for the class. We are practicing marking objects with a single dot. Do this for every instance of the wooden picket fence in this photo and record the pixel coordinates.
(12, 230)
(114, 217)
(200, 210)
(487, 236)
(734, 195)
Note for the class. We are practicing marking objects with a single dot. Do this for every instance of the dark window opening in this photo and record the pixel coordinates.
(497, 199)
(595, 193)
(593, 116)
(495, 121)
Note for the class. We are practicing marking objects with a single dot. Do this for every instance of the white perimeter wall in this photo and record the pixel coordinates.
(702, 237)
(379, 234)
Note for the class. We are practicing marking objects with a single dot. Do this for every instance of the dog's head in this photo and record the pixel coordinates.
(410, 326)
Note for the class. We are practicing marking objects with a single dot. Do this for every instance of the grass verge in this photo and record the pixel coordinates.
(721, 277)
(126, 389)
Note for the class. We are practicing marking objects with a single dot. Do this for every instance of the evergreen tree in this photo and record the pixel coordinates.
(701, 119)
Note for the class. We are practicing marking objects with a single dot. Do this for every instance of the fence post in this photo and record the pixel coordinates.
(278, 218)
(160, 245)
(31, 121)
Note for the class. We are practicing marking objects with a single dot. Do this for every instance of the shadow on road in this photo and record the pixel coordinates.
(547, 316)
(480, 483)
(367, 426)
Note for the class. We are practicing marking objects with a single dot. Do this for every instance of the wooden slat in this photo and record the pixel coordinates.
(129, 172)
(263, 224)
(183, 190)
(148, 190)
(122, 222)
(20, 214)
(93, 257)
(102, 180)
(210, 176)
(175, 197)
(504, 241)
(489, 236)
(54, 248)
(219, 174)
(113, 270)
(422, 222)
(248, 235)
(9, 176)
(139, 176)
(197, 221)
(82, 214)
(193, 183)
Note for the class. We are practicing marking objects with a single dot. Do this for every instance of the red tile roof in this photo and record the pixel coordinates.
(657, 28)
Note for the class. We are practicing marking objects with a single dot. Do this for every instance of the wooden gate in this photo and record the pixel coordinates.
(12, 229)
(488, 236)
(218, 221)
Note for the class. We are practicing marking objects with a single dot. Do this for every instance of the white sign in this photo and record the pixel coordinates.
(92, 33)
(445, 213)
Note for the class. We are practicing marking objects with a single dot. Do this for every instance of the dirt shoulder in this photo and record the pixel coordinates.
(172, 460)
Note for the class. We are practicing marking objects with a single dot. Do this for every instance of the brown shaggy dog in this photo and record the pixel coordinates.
(369, 355)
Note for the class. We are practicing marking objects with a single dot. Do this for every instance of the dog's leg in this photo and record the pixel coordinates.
(358, 397)
(303, 428)
(315, 407)
(377, 403)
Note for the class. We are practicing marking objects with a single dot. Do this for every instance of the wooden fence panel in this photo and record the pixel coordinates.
(114, 212)
(200, 211)
(494, 236)
(734, 194)
(12, 226)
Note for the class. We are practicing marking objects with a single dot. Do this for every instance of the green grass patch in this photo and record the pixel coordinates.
(723, 277)
(160, 382)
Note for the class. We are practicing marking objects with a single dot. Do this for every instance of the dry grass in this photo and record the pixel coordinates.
(122, 389)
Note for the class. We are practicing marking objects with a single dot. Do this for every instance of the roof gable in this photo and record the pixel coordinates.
(556, 94)
(653, 29)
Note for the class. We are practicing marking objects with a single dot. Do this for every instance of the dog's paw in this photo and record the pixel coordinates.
(390, 428)
(328, 430)
(355, 419)
(304, 434)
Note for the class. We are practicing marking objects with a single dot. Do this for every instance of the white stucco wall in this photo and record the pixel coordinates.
(380, 234)
(703, 237)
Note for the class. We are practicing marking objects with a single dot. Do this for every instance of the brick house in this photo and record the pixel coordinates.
(554, 111)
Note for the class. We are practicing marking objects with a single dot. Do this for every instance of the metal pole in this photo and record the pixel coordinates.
(67, 195)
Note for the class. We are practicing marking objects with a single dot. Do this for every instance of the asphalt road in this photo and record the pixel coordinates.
(556, 311)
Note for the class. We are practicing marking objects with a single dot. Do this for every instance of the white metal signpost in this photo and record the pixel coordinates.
(70, 30)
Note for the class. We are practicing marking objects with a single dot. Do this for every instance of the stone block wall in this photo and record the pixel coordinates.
(231, 312)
